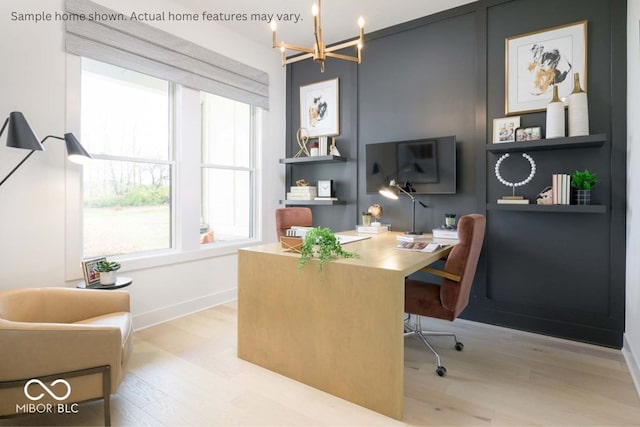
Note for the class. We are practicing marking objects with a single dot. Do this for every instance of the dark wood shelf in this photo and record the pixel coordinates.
(314, 159)
(590, 209)
(312, 202)
(550, 144)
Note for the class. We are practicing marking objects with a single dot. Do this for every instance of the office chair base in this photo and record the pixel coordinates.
(421, 334)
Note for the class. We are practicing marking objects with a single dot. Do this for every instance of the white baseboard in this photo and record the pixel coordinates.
(161, 315)
(632, 362)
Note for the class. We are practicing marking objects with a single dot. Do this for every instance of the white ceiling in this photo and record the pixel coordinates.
(339, 17)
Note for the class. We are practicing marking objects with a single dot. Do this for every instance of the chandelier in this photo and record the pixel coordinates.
(319, 52)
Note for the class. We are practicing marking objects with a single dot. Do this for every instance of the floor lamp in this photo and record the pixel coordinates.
(20, 135)
(391, 192)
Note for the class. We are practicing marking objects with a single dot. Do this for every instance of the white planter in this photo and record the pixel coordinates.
(108, 277)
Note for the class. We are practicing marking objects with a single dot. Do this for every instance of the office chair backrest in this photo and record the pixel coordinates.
(288, 217)
(462, 261)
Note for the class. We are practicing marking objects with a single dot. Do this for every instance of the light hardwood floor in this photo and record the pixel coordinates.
(185, 373)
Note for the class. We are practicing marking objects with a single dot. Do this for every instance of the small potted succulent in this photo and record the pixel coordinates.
(583, 182)
(322, 244)
(108, 271)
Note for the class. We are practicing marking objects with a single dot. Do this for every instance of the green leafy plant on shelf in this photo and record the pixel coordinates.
(106, 266)
(321, 243)
(583, 180)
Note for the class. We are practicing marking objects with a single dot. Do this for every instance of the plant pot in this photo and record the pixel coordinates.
(582, 197)
(108, 277)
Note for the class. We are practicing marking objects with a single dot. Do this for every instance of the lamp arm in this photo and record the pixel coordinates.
(25, 157)
(4, 126)
(413, 198)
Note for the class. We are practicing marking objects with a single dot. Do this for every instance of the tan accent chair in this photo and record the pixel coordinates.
(81, 336)
(288, 217)
(447, 299)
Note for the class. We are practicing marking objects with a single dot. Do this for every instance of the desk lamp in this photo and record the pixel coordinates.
(20, 135)
(391, 192)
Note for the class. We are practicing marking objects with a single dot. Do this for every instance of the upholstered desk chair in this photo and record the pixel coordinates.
(83, 337)
(447, 299)
(288, 217)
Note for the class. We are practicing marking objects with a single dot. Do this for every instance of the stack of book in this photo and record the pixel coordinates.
(445, 233)
(302, 193)
(561, 189)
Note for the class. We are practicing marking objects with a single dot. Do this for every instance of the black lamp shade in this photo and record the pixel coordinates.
(20, 134)
(75, 151)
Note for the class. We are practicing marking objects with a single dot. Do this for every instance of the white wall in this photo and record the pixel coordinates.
(632, 333)
(33, 236)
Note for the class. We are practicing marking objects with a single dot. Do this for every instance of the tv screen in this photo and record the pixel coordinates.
(429, 164)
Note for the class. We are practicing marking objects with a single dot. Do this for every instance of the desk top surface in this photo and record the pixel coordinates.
(378, 251)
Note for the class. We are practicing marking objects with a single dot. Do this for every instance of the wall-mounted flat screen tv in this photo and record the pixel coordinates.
(429, 164)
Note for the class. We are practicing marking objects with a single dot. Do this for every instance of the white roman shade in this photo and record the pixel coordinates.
(140, 47)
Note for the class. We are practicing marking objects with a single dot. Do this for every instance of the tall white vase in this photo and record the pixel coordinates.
(555, 116)
(578, 109)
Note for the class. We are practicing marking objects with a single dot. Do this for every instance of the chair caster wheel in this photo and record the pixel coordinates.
(441, 371)
(459, 346)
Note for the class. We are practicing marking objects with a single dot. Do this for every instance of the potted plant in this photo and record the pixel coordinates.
(583, 181)
(108, 271)
(321, 243)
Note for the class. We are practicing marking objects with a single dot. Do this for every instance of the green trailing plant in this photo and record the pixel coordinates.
(106, 266)
(321, 243)
(583, 180)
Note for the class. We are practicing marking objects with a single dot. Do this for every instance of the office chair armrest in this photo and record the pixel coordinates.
(441, 273)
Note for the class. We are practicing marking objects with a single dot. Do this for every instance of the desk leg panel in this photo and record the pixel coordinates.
(339, 331)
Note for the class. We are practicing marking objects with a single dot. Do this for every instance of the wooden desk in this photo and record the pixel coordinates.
(340, 331)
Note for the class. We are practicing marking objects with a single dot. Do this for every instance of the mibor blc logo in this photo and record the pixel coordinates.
(35, 390)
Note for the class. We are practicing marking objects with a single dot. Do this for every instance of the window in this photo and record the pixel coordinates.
(126, 126)
(228, 141)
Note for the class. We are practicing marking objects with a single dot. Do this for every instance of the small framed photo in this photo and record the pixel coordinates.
(532, 133)
(90, 271)
(504, 129)
(320, 108)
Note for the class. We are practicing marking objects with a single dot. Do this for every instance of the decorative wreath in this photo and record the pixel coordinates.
(520, 183)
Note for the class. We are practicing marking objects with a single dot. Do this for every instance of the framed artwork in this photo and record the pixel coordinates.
(89, 271)
(532, 133)
(320, 108)
(537, 60)
(504, 129)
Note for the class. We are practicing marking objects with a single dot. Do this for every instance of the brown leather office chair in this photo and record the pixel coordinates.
(74, 342)
(288, 217)
(447, 299)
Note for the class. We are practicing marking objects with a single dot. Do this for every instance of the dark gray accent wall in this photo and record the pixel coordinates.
(555, 273)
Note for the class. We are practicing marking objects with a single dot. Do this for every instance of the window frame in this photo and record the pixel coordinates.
(186, 126)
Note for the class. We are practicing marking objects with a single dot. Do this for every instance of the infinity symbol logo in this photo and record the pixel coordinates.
(47, 389)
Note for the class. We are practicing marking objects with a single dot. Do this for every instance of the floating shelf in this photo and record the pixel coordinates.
(314, 159)
(591, 209)
(550, 144)
(312, 202)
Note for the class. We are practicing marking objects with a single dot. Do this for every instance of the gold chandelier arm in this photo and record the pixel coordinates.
(293, 47)
(344, 45)
(343, 57)
(298, 58)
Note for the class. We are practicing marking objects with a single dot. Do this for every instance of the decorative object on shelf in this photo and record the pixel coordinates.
(90, 271)
(302, 182)
(513, 198)
(555, 116)
(321, 243)
(560, 189)
(320, 108)
(319, 52)
(333, 149)
(376, 212)
(20, 135)
(535, 61)
(504, 129)
(545, 197)
(583, 182)
(108, 271)
(325, 188)
(323, 143)
(532, 133)
(313, 149)
(302, 136)
(578, 109)
(391, 192)
(302, 192)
